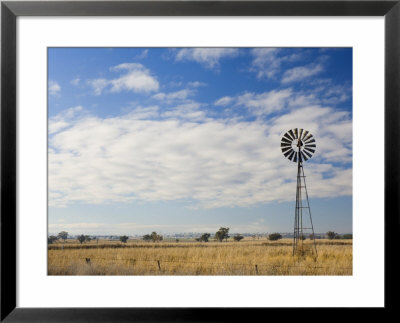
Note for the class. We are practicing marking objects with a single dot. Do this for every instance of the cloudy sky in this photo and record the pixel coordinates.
(188, 139)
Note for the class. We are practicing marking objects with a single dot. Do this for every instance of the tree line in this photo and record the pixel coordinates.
(221, 235)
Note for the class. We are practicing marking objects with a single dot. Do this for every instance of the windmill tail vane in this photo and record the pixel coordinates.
(298, 145)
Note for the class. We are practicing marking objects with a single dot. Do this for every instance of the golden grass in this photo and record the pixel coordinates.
(248, 257)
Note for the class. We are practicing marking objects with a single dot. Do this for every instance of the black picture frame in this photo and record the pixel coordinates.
(10, 10)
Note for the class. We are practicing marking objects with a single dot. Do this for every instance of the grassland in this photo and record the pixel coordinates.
(247, 257)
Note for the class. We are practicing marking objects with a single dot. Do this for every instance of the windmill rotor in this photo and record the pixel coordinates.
(298, 145)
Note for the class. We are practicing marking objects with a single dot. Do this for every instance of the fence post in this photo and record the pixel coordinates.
(159, 266)
(88, 261)
(256, 270)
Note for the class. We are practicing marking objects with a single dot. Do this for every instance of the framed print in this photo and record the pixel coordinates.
(155, 155)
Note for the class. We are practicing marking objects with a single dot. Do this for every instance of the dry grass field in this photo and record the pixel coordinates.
(247, 257)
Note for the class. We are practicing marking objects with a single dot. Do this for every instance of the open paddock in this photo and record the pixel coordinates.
(247, 257)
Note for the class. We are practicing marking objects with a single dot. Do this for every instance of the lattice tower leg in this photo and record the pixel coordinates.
(301, 209)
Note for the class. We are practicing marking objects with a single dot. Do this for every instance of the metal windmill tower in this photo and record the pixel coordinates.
(298, 145)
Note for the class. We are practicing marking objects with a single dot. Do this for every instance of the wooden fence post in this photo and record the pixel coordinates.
(159, 266)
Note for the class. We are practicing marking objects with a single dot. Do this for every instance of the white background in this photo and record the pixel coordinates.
(364, 288)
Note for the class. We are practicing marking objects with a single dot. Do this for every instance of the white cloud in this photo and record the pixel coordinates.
(136, 78)
(265, 103)
(186, 111)
(261, 104)
(267, 61)
(213, 163)
(143, 54)
(224, 101)
(197, 84)
(54, 88)
(75, 81)
(208, 57)
(301, 72)
(62, 120)
(178, 95)
(98, 85)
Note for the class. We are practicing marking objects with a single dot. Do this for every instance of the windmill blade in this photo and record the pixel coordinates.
(286, 140)
(310, 141)
(295, 157)
(309, 149)
(310, 145)
(285, 149)
(290, 132)
(288, 153)
(305, 134)
(286, 135)
(285, 144)
(308, 137)
(304, 156)
(291, 155)
(307, 153)
(300, 133)
(295, 133)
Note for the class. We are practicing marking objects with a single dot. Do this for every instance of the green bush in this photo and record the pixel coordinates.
(274, 236)
(123, 239)
(238, 237)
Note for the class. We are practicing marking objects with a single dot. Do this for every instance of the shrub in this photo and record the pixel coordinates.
(331, 235)
(81, 238)
(204, 237)
(274, 236)
(123, 239)
(147, 237)
(238, 237)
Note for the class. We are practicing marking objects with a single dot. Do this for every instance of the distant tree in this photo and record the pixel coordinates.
(81, 238)
(52, 239)
(152, 237)
(88, 238)
(238, 237)
(331, 235)
(204, 237)
(302, 237)
(147, 237)
(274, 236)
(63, 235)
(311, 236)
(123, 239)
(222, 234)
(254, 237)
(176, 240)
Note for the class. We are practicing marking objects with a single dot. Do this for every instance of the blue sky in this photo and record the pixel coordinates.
(188, 139)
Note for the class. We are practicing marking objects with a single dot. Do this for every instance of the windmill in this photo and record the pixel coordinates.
(298, 145)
